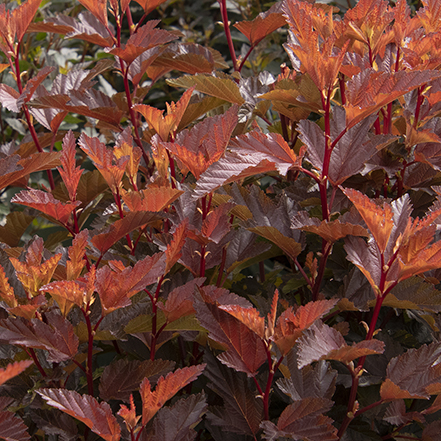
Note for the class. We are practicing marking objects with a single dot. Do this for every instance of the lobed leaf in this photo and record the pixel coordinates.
(57, 336)
(165, 389)
(97, 416)
(123, 377)
(12, 370)
(13, 428)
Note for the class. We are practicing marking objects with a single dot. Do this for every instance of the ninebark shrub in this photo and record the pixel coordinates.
(258, 258)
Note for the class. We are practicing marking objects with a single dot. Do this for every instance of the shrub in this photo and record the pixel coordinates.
(256, 257)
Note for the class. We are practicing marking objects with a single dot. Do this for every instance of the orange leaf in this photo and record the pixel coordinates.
(129, 415)
(151, 198)
(66, 293)
(332, 231)
(6, 290)
(121, 227)
(149, 5)
(378, 219)
(97, 416)
(264, 24)
(46, 203)
(69, 172)
(13, 369)
(33, 274)
(173, 251)
(250, 317)
(76, 252)
(98, 8)
(165, 389)
(165, 125)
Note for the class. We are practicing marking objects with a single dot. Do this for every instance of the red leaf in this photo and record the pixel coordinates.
(320, 342)
(264, 24)
(378, 219)
(57, 336)
(153, 199)
(98, 8)
(76, 253)
(12, 370)
(33, 163)
(179, 302)
(409, 375)
(196, 149)
(121, 227)
(6, 290)
(32, 85)
(303, 419)
(251, 154)
(245, 349)
(122, 377)
(149, 5)
(173, 251)
(46, 203)
(116, 287)
(9, 97)
(165, 389)
(66, 293)
(164, 125)
(12, 428)
(97, 416)
(370, 90)
(129, 415)
(69, 172)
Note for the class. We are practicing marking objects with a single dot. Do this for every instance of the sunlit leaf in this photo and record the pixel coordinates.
(12, 370)
(97, 416)
(165, 389)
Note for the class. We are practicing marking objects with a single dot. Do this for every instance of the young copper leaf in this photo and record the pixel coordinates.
(46, 203)
(145, 38)
(332, 231)
(116, 287)
(223, 88)
(165, 389)
(195, 150)
(264, 24)
(154, 199)
(129, 415)
(321, 342)
(76, 254)
(410, 375)
(66, 293)
(97, 416)
(26, 166)
(291, 324)
(179, 302)
(6, 290)
(174, 249)
(164, 125)
(369, 91)
(178, 421)
(122, 377)
(17, 23)
(245, 350)
(378, 219)
(12, 370)
(98, 8)
(121, 228)
(13, 428)
(69, 172)
(303, 419)
(149, 5)
(57, 336)
(33, 273)
(249, 155)
(32, 85)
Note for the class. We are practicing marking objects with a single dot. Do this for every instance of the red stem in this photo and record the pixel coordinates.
(33, 355)
(117, 198)
(155, 332)
(242, 63)
(89, 371)
(223, 8)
